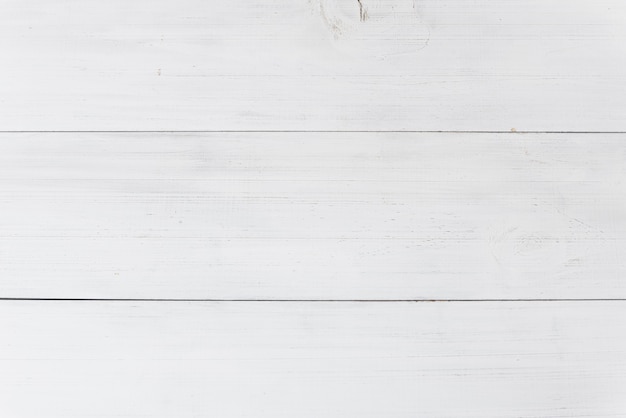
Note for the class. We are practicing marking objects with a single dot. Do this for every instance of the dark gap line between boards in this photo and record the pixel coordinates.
(310, 300)
(304, 131)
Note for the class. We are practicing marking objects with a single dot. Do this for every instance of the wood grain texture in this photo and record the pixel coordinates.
(313, 64)
(470, 360)
(312, 216)
(293, 195)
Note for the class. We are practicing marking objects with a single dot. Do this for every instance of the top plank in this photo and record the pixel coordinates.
(545, 65)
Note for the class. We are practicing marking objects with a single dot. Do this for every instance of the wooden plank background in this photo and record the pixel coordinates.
(313, 64)
(476, 360)
(313, 208)
(312, 215)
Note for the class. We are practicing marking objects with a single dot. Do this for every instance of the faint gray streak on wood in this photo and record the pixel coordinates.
(339, 301)
(312, 216)
(274, 64)
(311, 360)
(362, 12)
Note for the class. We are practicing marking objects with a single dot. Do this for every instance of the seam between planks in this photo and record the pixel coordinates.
(8, 299)
(312, 131)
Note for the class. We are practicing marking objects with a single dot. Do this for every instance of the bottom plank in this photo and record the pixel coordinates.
(259, 359)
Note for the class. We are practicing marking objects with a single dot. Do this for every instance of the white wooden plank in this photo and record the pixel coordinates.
(312, 216)
(313, 64)
(470, 360)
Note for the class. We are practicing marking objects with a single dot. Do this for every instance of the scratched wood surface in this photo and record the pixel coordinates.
(465, 360)
(312, 215)
(313, 64)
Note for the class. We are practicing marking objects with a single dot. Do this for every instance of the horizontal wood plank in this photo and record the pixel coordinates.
(438, 360)
(312, 216)
(313, 64)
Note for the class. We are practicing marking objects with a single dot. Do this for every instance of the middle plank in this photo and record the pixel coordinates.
(312, 215)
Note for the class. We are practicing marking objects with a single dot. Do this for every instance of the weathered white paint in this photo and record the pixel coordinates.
(436, 360)
(312, 215)
(313, 64)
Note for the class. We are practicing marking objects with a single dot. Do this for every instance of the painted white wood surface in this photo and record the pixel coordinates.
(436, 360)
(313, 64)
(312, 215)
